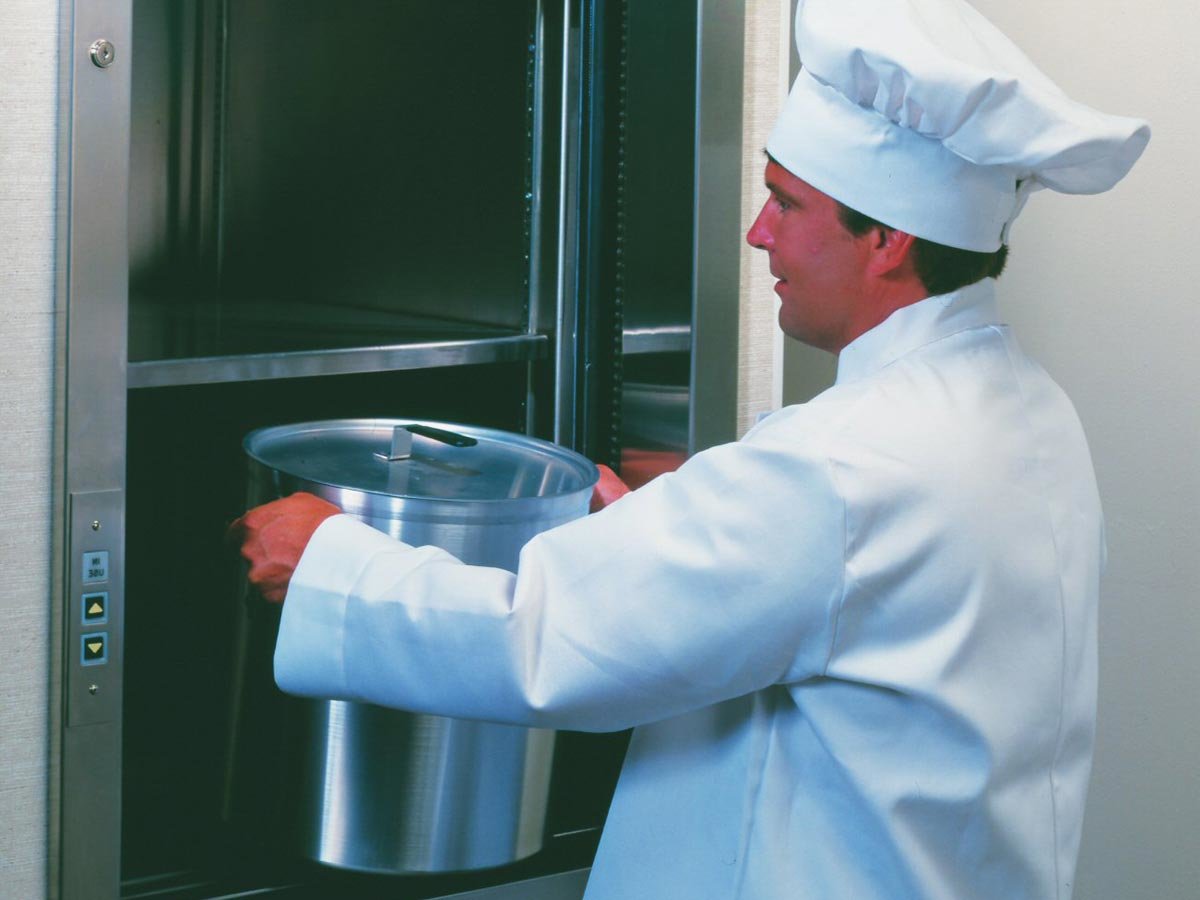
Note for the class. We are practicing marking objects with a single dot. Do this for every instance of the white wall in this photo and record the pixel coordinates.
(28, 140)
(768, 39)
(1102, 290)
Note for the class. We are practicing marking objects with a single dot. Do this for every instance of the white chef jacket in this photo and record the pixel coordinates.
(858, 645)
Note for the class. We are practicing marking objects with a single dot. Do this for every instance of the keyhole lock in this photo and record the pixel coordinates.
(103, 53)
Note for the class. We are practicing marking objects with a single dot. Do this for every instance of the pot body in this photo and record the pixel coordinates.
(361, 787)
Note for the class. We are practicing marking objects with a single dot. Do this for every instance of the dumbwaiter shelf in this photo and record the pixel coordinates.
(310, 363)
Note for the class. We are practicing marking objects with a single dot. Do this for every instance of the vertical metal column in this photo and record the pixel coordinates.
(593, 171)
(91, 319)
(566, 328)
(537, 211)
(719, 87)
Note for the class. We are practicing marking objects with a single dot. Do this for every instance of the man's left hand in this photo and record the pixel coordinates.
(609, 489)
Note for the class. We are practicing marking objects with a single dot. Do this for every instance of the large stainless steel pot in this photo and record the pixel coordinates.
(361, 787)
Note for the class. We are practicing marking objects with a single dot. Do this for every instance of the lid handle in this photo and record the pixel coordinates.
(453, 438)
(402, 440)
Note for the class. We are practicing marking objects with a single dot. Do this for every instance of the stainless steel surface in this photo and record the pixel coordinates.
(382, 790)
(657, 339)
(659, 168)
(406, 793)
(656, 416)
(264, 366)
(404, 436)
(564, 886)
(567, 244)
(537, 205)
(90, 428)
(214, 215)
(498, 477)
(103, 53)
(402, 441)
(717, 234)
(94, 691)
(257, 197)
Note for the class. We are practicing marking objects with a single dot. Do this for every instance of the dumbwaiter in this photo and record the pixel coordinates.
(285, 211)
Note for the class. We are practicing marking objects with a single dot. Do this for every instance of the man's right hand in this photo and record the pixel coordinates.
(272, 538)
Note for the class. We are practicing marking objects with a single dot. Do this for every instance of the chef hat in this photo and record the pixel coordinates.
(922, 115)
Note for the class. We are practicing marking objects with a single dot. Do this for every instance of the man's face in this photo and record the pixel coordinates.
(820, 265)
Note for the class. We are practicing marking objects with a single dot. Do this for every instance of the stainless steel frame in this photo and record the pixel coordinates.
(717, 235)
(537, 223)
(660, 339)
(566, 243)
(92, 378)
(85, 753)
(303, 364)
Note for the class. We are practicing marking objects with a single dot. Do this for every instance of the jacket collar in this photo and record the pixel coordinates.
(915, 326)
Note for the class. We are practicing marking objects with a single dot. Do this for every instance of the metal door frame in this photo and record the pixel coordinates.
(91, 379)
(89, 423)
(717, 236)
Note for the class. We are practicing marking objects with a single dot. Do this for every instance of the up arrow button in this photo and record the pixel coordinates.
(95, 608)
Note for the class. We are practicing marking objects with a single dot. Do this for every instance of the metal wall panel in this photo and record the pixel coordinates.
(658, 170)
(717, 236)
(90, 437)
(309, 175)
(247, 167)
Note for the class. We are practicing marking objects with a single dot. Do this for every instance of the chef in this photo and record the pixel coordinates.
(858, 647)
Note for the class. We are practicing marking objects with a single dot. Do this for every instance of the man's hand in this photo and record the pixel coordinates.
(608, 489)
(273, 536)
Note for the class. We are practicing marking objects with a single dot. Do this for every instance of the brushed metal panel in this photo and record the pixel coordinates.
(91, 811)
(566, 246)
(660, 339)
(659, 126)
(263, 366)
(93, 687)
(300, 154)
(85, 831)
(717, 237)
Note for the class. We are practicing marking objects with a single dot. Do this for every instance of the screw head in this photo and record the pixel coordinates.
(95, 524)
(92, 688)
(103, 53)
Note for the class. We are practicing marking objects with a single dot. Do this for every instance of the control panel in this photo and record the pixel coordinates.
(94, 585)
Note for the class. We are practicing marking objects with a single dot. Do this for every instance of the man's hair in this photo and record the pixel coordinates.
(941, 269)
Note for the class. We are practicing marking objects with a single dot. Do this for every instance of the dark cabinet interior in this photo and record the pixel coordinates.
(475, 211)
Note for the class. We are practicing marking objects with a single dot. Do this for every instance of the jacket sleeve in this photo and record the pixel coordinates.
(706, 584)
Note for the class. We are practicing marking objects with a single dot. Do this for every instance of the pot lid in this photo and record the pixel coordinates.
(421, 460)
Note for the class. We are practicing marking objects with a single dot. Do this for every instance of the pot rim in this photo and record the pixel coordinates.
(587, 470)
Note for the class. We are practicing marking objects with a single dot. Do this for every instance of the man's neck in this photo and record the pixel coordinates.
(887, 296)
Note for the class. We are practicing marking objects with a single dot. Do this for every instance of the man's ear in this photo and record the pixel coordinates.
(890, 250)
